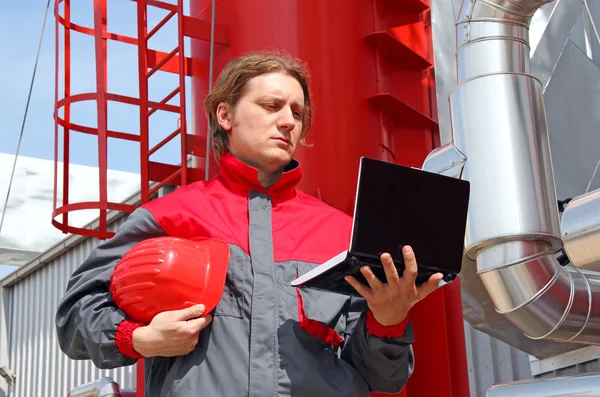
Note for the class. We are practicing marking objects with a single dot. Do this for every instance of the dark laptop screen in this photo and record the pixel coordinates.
(399, 205)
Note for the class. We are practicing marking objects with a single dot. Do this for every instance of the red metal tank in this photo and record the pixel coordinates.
(343, 74)
(373, 88)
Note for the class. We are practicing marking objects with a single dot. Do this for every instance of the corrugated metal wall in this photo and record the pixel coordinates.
(492, 361)
(577, 362)
(40, 367)
(572, 370)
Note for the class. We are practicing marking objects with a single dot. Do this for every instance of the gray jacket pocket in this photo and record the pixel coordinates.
(231, 302)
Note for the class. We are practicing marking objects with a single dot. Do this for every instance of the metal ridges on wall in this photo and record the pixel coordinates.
(403, 64)
(30, 304)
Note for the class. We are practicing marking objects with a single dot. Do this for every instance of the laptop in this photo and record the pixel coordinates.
(397, 206)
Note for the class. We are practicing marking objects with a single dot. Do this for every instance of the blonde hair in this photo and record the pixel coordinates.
(232, 81)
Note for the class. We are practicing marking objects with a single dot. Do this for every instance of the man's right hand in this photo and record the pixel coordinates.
(172, 333)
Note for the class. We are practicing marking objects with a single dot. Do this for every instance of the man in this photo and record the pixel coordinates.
(264, 338)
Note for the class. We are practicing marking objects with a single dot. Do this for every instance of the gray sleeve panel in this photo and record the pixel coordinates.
(384, 363)
(87, 318)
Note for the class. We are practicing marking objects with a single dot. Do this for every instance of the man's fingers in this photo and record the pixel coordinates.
(431, 285)
(371, 278)
(199, 324)
(189, 313)
(391, 273)
(364, 291)
(410, 266)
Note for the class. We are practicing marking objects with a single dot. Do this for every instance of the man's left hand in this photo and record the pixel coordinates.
(390, 302)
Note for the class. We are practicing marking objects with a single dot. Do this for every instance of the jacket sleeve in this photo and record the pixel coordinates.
(87, 318)
(385, 363)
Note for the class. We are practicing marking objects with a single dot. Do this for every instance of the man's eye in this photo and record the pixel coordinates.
(298, 115)
(270, 106)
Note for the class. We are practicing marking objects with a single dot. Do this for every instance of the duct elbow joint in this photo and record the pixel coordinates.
(513, 11)
(538, 295)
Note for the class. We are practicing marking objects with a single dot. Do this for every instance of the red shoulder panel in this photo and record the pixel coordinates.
(304, 228)
(203, 209)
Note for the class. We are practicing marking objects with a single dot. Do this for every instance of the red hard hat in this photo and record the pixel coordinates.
(169, 273)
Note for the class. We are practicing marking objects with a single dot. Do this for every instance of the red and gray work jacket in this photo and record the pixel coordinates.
(266, 338)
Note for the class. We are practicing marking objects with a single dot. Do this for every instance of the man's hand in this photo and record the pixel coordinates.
(172, 333)
(390, 302)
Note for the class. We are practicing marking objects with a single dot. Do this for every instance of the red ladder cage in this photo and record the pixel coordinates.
(153, 174)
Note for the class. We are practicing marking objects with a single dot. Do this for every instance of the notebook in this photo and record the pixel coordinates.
(397, 206)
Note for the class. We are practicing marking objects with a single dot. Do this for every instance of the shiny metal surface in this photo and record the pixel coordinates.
(576, 386)
(572, 100)
(539, 22)
(580, 361)
(509, 167)
(480, 313)
(445, 160)
(581, 231)
(560, 310)
(514, 12)
(513, 232)
(443, 17)
(105, 387)
(506, 294)
(498, 31)
(570, 93)
(551, 45)
(549, 26)
(491, 361)
(504, 57)
(584, 35)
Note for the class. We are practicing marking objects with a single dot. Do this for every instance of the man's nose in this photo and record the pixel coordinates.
(286, 119)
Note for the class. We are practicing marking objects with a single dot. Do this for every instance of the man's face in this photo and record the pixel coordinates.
(266, 124)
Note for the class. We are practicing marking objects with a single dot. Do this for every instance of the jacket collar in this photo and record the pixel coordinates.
(240, 178)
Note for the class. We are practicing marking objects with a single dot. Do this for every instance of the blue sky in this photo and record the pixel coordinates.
(20, 28)
(21, 24)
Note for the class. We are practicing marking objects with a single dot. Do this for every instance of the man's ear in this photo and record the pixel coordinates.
(225, 116)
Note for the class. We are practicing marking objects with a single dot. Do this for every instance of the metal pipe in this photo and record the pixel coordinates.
(105, 387)
(581, 231)
(513, 232)
(576, 386)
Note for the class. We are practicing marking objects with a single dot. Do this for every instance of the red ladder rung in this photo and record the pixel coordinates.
(160, 24)
(166, 108)
(162, 62)
(166, 181)
(136, 101)
(164, 141)
(164, 102)
(159, 4)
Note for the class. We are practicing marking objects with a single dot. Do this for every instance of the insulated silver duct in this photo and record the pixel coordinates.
(573, 386)
(105, 387)
(581, 231)
(513, 229)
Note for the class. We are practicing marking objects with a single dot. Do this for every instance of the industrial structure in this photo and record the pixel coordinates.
(501, 93)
